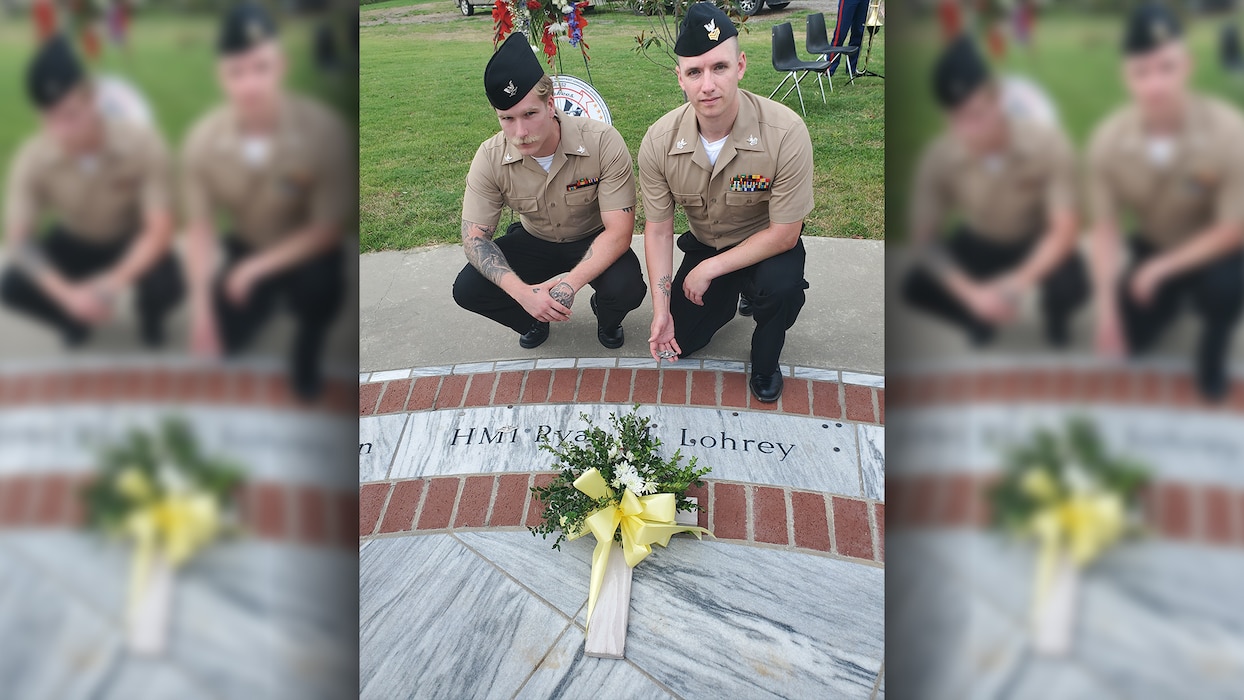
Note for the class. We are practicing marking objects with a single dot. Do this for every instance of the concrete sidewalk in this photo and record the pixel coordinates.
(407, 316)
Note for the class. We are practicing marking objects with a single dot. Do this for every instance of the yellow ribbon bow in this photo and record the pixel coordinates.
(1082, 525)
(645, 521)
(176, 526)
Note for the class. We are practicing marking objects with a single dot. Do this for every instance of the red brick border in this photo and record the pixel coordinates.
(198, 385)
(1119, 386)
(806, 521)
(666, 387)
(267, 510)
(1203, 513)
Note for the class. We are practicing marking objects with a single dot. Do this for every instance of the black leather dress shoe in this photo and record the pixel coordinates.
(1214, 383)
(767, 388)
(612, 338)
(745, 305)
(535, 337)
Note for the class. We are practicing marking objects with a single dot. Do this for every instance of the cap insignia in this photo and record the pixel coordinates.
(511, 89)
(713, 31)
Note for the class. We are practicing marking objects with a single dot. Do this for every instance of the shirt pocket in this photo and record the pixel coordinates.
(524, 205)
(747, 199)
(581, 197)
(689, 201)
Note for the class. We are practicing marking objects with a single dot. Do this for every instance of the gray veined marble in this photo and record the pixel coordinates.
(872, 460)
(389, 375)
(805, 453)
(378, 440)
(557, 577)
(249, 619)
(566, 674)
(274, 445)
(436, 621)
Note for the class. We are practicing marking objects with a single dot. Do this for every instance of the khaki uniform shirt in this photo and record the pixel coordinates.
(591, 172)
(1200, 184)
(99, 198)
(308, 175)
(763, 174)
(1005, 197)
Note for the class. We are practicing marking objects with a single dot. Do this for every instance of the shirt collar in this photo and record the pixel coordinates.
(570, 143)
(744, 134)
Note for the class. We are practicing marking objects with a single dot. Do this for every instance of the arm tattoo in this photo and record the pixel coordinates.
(484, 253)
(563, 294)
(664, 285)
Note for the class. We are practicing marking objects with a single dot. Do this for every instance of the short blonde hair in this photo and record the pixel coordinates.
(543, 87)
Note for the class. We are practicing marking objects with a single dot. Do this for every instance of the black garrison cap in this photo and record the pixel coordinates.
(246, 25)
(1150, 27)
(54, 71)
(512, 72)
(959, 71)
(704, 28)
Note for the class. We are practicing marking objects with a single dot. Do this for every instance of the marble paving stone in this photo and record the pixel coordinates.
(872, 460)
(820, 375)
(302, 448)
(250, 619)
(806, 453)
(436, 621)
(629, 362)
(512, 365)
(723, 366)
(554, 362)
(566, 674)
(139, 679)
(1156, 619)
(378, 440)
(436, 371)
(1193, 446)
(712, 619)
(598, 362)
(363, 377)
(473, 367)
(558, 577)
(874, 380)
(390, 375)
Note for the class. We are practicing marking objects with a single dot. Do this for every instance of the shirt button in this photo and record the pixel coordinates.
(553, 204)
(714, 200)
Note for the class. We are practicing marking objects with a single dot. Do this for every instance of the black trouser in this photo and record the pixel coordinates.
(619, 289)
(313, 292)
(1063, 290)
(774, 285)
(1216, 291)
(157, 291)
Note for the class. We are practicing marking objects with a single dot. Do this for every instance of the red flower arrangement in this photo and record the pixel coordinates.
(544, 18)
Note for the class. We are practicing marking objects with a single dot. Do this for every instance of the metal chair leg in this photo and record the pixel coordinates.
(779, 87)
(800, 91)
(818, 82)
(792, 87)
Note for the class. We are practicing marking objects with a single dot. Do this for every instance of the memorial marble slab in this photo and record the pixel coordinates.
(284, 446)
(1191, 446)
(378, 440)
(436, 621)
(806, 453)
(566, 674)
(872, 460)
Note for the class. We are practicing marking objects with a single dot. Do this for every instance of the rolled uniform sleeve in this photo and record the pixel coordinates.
(1103, 202)
(1060, 192)
(658, 200)
(791, 198)
(483, 200)
(157, 177)
(196, 198)
(616, 189)
(21, 200)
(1229, 204)
(929, 196)
(335, 195)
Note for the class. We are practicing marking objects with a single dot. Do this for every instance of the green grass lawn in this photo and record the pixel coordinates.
(1078, 61)
(422, 114)
(172, 61)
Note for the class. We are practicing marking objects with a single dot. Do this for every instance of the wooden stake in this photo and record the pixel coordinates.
(606, 632)
(147, 621)
(1054, 622)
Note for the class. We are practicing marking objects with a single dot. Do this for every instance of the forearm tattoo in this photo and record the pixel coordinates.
(664, 285)
(563, 294)
(483, 253)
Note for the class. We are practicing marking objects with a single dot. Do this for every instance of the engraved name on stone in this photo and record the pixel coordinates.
(466, 436)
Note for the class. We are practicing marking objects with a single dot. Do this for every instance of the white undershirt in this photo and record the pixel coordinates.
(545, 162)
(713, 149)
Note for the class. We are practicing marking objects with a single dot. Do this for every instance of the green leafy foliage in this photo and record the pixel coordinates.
(1075, 453)
(167, 459)
(609, 451)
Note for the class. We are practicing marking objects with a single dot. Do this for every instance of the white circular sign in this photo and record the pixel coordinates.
(579, 99)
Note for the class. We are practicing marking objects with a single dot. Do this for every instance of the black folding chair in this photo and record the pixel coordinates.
(817, 43)
(785, 59)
